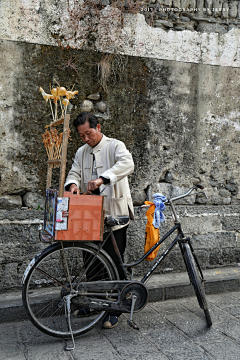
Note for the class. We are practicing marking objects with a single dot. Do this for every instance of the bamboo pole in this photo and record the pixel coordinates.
(49, 171)
(64, 154)
(49, 175)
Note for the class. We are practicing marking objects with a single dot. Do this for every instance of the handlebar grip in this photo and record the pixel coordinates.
(200, 186)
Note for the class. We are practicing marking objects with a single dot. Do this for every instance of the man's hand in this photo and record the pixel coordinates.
(94, 184)
(74, 189)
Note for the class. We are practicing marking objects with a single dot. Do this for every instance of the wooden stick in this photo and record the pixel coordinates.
(49, 175)
(51, 109)
(55, 111)
(64, 155)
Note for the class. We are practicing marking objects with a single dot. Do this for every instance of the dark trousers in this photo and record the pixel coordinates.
(95, 273)
(121, 239)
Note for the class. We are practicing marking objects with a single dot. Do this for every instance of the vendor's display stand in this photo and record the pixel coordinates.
(68, 217)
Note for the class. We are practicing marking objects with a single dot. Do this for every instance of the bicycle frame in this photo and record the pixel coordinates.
(104, 294)
(179, 238)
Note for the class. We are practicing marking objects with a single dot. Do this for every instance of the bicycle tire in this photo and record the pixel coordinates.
(43, 296)
(196, 281)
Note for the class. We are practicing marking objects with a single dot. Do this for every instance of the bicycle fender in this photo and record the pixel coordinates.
(34, 260)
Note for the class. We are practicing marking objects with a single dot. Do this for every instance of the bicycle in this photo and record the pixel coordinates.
(70, 275)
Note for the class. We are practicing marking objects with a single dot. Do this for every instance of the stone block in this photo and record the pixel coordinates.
(215, 257)
(202, 257)
(156, 293)
(180, 27)
(201, 225)
(184, 19)
(14, 233)
(192, 4)
(87, 105)
(166, 3)
(1, 277)
(208, 6)
(11, 278)
(16, 313)
(138, 197)
(233, 9)
(231, 187)
(174, 261)
(200, 5)
(167, 24)
(225, 10)
(10, 202)
(94, 96)
(221, 286)
(217, 5)
(211, 28)
(231, 223)
(34, 234)
(224, 193)
(176, 4)
(231, 256)
(170, 190)
(34, 201)
(190, 27)
(178, 291)
(101, 106)
(216, 240)
(184, 4)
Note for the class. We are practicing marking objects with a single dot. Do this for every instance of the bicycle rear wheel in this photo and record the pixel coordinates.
(196, 281)
(48, 281)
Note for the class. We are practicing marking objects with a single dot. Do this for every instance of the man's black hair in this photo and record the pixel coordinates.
(84, 117)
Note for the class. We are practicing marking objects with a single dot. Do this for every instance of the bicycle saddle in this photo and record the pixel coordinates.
(113, 220)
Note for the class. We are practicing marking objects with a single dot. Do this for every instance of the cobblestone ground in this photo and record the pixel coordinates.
(168, 330)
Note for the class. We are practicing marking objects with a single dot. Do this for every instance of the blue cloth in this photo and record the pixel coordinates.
(159, 207)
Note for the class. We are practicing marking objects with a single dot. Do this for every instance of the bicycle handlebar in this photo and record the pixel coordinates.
(177, 197)
(186, 194)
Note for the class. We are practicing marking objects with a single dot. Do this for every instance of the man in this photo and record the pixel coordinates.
(103, 162)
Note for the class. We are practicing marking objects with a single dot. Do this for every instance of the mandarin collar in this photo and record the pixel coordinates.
(99, 145)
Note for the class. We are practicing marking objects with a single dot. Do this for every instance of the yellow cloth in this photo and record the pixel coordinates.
(152, 235)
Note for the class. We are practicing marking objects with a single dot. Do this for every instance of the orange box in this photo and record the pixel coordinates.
(85, 218)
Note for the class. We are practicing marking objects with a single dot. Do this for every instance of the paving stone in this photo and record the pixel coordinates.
(93, 346)
(131, 344)
(223, 300)
(7, 333)
(217, 314)
(193, 326)
(168, 340)
(230, 328)
(171, 330)
(169, 307)
(11, 352)
(222, 350)
(30, 334)
(44, 352)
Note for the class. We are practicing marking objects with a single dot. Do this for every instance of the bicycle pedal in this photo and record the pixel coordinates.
(132, 324)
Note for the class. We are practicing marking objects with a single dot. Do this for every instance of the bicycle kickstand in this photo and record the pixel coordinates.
(130, 321)
(67, 302)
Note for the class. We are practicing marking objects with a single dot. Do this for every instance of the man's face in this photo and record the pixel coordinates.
(89, 135)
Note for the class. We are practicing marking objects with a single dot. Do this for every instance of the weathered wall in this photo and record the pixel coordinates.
(214, 230)
(172, 97)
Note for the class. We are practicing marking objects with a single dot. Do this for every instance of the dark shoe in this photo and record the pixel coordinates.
(83, 312)
(110, 322)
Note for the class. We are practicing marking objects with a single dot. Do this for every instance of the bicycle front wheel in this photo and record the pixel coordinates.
(196, 281)
(51, 277)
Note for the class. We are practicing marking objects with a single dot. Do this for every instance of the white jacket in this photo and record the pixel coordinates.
(113, 161)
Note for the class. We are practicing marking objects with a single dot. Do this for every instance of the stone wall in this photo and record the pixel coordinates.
(214, 231)
(171, 96)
